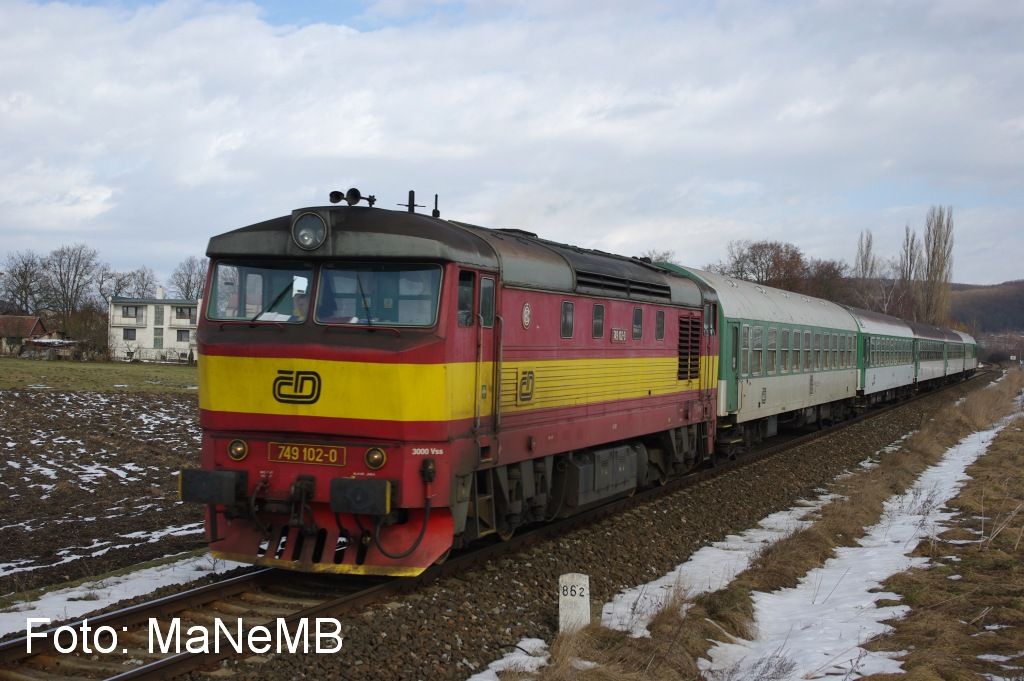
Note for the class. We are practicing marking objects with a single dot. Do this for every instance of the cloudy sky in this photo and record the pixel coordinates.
(144, 128)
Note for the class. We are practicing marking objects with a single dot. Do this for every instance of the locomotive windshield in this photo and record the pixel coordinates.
(346, 293)
(265, 292)
(393, 295)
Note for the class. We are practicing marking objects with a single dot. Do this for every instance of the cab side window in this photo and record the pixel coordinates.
(466, 282)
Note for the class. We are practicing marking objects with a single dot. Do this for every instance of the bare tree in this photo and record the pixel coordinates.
(865, 266)
(22, 283)
(765, 262)
(908, 273)
(827, 279)
(873, 281)
(186, 281)
(142, 283)
(69, 272)
(938, 265)
(110, 282)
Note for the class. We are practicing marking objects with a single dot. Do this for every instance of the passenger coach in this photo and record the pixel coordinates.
(885, 353)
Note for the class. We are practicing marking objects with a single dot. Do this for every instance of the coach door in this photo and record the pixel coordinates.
(731, 371)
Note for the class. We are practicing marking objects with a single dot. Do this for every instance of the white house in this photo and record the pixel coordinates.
(152, 329)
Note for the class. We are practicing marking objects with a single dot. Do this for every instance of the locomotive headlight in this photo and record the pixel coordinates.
(238, 450)
(309, 231)
(375, 458)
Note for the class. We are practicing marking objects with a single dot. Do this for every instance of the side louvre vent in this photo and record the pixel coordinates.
(620, 286)
(689, 348)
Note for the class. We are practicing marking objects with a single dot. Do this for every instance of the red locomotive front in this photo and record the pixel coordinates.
(377, 387)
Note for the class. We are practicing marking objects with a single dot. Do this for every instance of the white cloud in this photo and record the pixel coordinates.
(624, 128)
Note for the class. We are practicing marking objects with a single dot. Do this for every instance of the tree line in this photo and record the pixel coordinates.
(913, 285)
(69, 288)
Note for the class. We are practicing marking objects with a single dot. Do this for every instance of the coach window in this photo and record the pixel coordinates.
(817, 352)
(487, 302)
(745, 353)
(772, 339)
(784, 352)
(566, 319)
(795, 363)
(734, 337)
(638, 323)
(835, 351)
(597, 330)
(659, 325)
(757, 347)
(466, 282)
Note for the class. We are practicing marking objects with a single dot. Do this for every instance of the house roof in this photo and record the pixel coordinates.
(120, 300)
(21, 326)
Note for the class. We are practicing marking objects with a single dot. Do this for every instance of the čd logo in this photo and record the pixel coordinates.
(526, 386)
(297, 387)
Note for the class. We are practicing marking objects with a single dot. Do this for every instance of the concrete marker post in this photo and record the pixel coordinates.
(573, 602)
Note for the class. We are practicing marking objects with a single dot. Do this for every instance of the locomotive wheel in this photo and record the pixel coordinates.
(443, 557)
(506, 534)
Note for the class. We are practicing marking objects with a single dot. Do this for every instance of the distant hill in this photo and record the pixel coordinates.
(989, 308)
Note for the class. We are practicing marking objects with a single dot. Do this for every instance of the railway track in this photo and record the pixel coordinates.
(265, 597)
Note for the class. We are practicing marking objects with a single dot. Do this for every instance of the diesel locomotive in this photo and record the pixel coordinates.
(378, 387)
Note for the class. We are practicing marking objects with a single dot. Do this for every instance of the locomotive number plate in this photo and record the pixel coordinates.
(292, 452)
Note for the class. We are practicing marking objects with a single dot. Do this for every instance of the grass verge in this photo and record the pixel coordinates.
(967, 608)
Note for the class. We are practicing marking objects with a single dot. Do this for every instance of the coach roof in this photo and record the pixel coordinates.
(881, 324)
(930, 332)
(741, 299)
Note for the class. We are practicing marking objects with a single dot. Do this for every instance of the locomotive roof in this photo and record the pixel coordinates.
(876, 322)
(522, 258)
(361, 233)
(529, 261)
(745, 300)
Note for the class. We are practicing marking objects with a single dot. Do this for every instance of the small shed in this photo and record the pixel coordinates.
(15, 330)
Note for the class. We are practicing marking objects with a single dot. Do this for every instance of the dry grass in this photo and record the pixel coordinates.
(17, 374)
(678, 639)
(981, 611)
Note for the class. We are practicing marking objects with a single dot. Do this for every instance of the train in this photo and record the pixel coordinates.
(379, 387)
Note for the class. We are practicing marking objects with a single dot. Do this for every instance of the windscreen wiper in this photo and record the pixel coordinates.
(274, 302)
(362, 299)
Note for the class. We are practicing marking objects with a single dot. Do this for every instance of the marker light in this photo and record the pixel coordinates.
(238, 450)
(375, 458)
